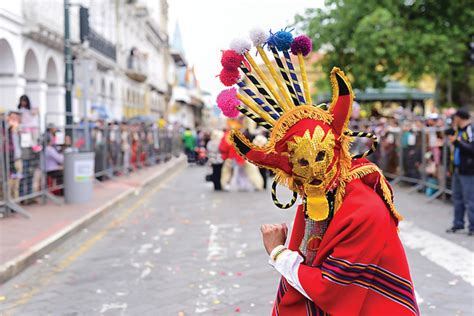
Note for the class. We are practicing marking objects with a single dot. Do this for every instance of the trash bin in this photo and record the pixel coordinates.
(78, 176)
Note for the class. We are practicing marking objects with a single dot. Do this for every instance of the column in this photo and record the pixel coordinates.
(11, 88)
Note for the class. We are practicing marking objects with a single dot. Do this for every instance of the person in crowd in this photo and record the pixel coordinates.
(98, 145)
(30, 149)
(189, 141)
(237, 173)
(29, 117)
(125, 147)
(463, 173)
(215, 158)
(53, 160)
(261, 140)
(14, 152)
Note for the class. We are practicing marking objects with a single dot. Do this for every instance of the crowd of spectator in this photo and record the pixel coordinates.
(119, 147)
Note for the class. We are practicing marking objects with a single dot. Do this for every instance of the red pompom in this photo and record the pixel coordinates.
(229, 77)
(231, 59)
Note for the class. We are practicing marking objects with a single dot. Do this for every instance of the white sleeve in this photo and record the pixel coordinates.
(288, 263)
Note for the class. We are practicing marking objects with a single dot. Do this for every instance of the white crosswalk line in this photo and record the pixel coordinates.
(446, 254)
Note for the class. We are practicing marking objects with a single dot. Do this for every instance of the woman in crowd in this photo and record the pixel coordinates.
(215, 158)
(54, 161)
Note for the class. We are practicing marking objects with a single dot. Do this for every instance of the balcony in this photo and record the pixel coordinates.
(137, 65)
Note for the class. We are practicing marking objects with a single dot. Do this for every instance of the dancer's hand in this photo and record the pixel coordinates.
(273, 235)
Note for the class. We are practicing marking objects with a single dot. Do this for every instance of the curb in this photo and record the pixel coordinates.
(15, 266)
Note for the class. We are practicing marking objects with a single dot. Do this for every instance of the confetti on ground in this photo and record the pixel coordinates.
(428, 275)
(238, 273)
(149, 264)
(453, 282)
(237, 309)
(145, 273)
(144, 248)
(2, 298)
(215, 302)
(180, 314)
(236, 286)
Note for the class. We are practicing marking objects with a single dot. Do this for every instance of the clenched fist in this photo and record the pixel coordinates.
(273, 235)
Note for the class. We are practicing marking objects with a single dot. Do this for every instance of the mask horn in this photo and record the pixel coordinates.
(342, 97)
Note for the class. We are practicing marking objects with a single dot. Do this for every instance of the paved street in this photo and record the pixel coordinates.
(181, 249)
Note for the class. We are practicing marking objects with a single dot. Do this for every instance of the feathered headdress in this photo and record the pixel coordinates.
(308, 148)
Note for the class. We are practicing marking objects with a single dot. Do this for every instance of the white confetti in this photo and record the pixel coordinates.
(168, 232)
(144, 248)
(145, 273)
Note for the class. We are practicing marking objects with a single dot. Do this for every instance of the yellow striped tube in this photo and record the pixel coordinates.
(288, 105)
(258, 120)
(264, 78)
(304, 78)
(249, 103)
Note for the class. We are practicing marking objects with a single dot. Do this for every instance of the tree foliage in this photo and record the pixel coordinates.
(374, 40)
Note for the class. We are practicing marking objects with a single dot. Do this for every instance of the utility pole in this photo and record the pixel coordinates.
(68, 69)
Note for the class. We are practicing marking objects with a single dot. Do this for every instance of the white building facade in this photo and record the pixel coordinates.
(121, 64)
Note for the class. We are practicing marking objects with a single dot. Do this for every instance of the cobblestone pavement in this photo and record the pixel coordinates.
(181, 249)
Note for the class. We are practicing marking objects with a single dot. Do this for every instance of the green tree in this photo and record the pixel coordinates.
(374, 40)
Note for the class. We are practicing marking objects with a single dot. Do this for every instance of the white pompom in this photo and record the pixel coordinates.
(240, 45)
(258, 36)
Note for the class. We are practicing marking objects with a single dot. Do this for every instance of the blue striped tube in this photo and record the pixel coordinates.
(294, 77)
(259, 101)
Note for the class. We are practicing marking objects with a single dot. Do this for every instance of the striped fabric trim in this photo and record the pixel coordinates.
(282, 289)
(371, 277)
(313, 310)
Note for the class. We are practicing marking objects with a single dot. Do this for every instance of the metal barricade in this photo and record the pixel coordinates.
(423, 160)
(31, 165)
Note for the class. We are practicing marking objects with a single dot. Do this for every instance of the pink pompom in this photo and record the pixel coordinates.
(231, 59)
(301, 45)
(227, 101)
(229, 77)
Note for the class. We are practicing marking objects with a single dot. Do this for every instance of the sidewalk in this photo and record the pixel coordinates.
(22, 241)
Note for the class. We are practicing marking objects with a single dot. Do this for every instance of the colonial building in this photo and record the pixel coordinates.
(121, 57)
(188, 100)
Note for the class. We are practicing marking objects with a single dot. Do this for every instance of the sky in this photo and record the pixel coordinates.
(208, 26)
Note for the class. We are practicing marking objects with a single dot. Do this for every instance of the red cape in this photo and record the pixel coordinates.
(361, 266)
